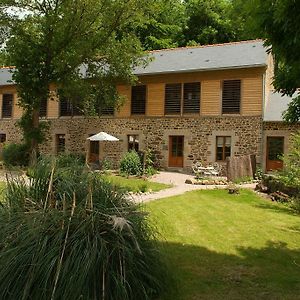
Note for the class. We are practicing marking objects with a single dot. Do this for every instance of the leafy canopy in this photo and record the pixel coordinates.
(277, 21)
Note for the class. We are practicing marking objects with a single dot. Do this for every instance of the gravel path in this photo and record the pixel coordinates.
(179, 186)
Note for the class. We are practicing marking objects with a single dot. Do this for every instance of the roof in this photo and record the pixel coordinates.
(235, 55)
(276, 105)
(245, 54)
(6, 76)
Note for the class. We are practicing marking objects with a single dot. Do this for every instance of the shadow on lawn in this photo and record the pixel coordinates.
(272, 272)
(279, 208)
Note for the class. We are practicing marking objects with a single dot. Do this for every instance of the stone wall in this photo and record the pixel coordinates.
(199, 135)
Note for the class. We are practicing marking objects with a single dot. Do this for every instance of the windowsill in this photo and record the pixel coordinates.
(138, 115)
(231, 115)
(7, 118)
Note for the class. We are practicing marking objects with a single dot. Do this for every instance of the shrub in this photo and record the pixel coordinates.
(67, 234)
(290, 175)
(149, 163)
(107, 164)
(131, 164)
(15, 155)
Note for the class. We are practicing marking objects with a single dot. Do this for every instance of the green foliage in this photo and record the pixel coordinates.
(259, 173)
(131, 164)
(149, 163)
(277, 21)
(106, 164)
(52, 42)
(290, 175)
(210, 22)
(67, 234)
(15, 154)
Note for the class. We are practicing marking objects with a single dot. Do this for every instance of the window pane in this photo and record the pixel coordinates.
(228, 141)
(173, 98)
(60, 143)
(133, 143)
(220, 153)
(275, 148)
(2, 137)
(138, 99)
(220, 141)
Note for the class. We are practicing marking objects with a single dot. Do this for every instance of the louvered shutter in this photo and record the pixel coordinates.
(231, 97)
(43, 108)
(138, 100)
(173, 98)
(191, 97)
(7, 105)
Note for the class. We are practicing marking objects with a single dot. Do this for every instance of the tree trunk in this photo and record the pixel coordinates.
(33, 151)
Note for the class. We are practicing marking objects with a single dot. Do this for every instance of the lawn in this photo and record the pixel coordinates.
(135, 184)
(221, 246)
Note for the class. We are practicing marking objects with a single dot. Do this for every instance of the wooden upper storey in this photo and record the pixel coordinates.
(207, 88)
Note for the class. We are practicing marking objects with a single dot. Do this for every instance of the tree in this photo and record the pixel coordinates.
(84, 47)
(163, 27)
(209, 21)
(277, 21)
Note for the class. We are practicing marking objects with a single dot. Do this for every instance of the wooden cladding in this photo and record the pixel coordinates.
(7, 105)
(138, 100)
(182, 98)
(231, 97)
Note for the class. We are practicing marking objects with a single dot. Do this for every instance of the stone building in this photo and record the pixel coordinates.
(190, 104)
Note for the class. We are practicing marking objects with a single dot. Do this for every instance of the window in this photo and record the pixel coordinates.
(67, 108)
(60, 143)
(107, 111)
(182, 98)
(43, 108)
(191, 97)
(223, 148)
(7, 105)
(138, 100)
(173, 98)
(2, 138)
(133, 142)
(231, 97)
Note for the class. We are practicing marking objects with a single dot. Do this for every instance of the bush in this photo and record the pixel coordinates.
(67, 234)
(15, 155)
(290, 175)
(149, 163)
(131, 164)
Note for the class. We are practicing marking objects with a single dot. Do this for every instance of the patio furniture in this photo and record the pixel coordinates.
(211, 170)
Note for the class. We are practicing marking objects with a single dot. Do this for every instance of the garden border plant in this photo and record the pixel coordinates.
(68, 234)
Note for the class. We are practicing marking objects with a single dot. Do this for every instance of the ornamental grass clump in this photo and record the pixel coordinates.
(67, 234)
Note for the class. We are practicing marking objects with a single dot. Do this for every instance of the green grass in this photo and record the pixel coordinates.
(135, 184)
(221, 246)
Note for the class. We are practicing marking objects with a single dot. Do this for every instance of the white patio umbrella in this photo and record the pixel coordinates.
(103, 136)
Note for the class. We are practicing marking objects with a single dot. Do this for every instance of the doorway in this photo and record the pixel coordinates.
(176, 144)
(275, 150)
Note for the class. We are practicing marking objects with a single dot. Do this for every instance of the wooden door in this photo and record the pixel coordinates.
(94, 151)
(275, 148)
(176, 144)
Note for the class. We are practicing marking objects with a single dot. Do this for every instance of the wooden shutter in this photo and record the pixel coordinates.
(107, 111)
(65, 107)
(191, 97)
(138, 100)
(43, 108)
(7, 105)
(231, 97)
(173, 98)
